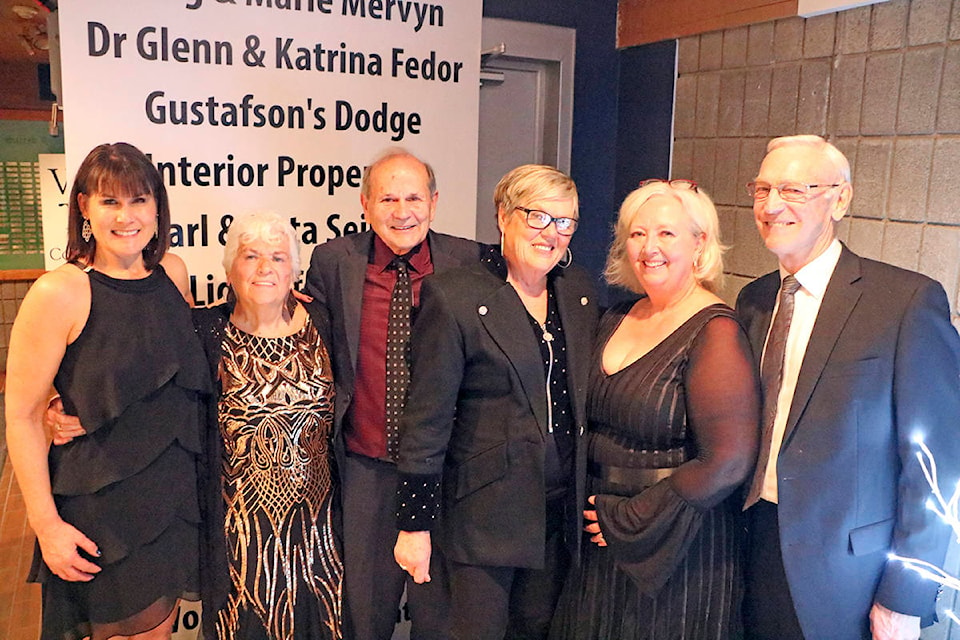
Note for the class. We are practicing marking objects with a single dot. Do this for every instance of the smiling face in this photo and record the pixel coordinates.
(662, 246)
(399, 206)
(262, 272)
(798, 232)
(534, 252)
(122, 225)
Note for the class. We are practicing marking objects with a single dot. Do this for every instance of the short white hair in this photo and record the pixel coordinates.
(267, 226)
(830, 152)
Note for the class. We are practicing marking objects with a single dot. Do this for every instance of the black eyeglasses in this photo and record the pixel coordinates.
(677, 183)
(789, 191)
(537, 219)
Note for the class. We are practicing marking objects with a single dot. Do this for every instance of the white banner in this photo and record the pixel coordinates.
(277, 105)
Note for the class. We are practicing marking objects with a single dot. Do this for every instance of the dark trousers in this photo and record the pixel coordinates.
(768, 610)
(373, 582)
(491, 603)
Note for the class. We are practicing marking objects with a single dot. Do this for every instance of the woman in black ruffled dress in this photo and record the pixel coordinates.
(116, 512)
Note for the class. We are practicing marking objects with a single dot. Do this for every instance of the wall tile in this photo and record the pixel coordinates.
(889, 25)
(910, 178)
(871, 178)
(704, 161)
(9, 310)
(735, 47)
(928, 21)
(752, 151)
(948, 113)
(784, 91)
(727, 216)
(711, 50)
(688, 55)
(731, 288)
(846, 95)
(685, 106)
(788, 39)
(20, 289)
(954, 33)
(756, 102)
(901, 244)
(730, 116)
(848, 147)
(814, 93)
(727, 171)
(682, 159)
(866, 237)
(708, 99)
(940, 256)
(843, 230)
(819, 36)
(881, 88)
(920, 85)
(754, 257)
(945, 182)
(760, 44)
(853, 30)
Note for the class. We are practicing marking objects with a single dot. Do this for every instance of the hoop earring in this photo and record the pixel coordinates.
(501, 243)
(566, 260)
(85, 231)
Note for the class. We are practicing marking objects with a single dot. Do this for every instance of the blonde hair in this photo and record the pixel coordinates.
(530, 182)
(707, 269)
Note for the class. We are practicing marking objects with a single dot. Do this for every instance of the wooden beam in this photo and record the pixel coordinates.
(645, 21)
(18, 275)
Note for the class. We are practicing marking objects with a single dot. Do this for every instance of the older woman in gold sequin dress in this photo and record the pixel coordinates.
(273, 568)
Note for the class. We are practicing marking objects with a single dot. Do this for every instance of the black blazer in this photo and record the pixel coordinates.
(335, 280)
(882, 364)
(476, 414)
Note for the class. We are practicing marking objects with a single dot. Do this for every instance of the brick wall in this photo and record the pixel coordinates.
(882, 82)
(11, 294)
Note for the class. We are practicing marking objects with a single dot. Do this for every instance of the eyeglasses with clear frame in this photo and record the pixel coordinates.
(789, 191)
(676, 183)
(537, 219)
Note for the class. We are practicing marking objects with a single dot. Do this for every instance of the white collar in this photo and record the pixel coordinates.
(815, 275)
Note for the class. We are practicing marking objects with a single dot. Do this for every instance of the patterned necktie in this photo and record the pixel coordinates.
(771, 378)
(398, 346)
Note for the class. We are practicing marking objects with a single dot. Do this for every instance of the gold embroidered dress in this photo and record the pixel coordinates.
(275, 415)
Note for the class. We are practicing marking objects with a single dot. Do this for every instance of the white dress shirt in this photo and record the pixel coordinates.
(813, 278)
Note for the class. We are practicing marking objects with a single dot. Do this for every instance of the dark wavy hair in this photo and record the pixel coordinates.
(123, 170)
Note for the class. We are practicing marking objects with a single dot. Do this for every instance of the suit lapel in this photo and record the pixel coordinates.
(505, 320)
(351, 271)
(439, 256)
(574, 315)
(839, 299)
(756, 312)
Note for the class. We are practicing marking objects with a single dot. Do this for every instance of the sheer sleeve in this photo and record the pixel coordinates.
(723, 411)
(650, 532)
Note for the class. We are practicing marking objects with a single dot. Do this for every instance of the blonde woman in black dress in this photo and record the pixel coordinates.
(673, 427)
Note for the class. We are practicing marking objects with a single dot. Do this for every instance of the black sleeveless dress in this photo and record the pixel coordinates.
(134, 376)
(663, 432)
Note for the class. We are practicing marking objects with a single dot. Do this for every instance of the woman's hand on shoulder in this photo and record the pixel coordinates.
(177, 272)
(60, 543)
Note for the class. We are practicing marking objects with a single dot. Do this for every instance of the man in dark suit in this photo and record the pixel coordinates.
(353, 278)
(867, 361)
